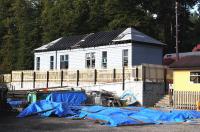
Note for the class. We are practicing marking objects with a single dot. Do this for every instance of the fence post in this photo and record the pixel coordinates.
(11, 77)
(114, 75)
(143, 73)
(61, 79)
(3, 79)
(165, 80)
(34, 76)
(95, 76)
(77, 79)
(143, 76)
(11, 81)
(123, 78)
(47, 79)
(22, 79)
(136, 73)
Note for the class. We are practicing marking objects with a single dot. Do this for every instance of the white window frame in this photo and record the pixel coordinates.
(64, 61)
(104, 63)
(37, 63)
(124, 57)
(51, 62)
(90, 57)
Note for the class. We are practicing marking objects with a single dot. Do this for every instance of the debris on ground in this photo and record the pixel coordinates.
(70, 104)
(128, 99)
(104, 98)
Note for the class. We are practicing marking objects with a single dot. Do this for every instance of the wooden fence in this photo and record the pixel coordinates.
(5, 78)
(185, 99)
(146, 72)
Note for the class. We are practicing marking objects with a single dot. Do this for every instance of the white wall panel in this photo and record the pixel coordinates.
(77, 57)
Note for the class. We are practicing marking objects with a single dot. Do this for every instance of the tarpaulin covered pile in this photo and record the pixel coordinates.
(135, 115)
(69, 105)
(58, 103)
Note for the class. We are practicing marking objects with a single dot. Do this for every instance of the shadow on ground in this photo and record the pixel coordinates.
(9, 123)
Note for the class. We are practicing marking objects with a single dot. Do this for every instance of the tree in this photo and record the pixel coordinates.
(28, 24)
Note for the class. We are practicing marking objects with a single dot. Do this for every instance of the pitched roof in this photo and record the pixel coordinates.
(186, 63)
(66, 42)
(141, 37)
(97, 39)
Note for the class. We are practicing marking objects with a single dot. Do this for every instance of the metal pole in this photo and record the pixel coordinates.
(177, 39)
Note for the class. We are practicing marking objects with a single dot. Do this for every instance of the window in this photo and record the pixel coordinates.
(37, 63)
(125, 57)
(195, 77)
(64, 63)
(104, 59)
(90, 60)
(51, 62)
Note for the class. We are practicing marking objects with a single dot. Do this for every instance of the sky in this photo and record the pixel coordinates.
(194, 9)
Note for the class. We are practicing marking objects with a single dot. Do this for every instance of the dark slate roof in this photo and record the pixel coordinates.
(187, 63)
(100, 38)
(95, 40)
(66, 42)
(141, 37)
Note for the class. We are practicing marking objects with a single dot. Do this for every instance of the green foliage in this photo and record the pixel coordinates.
(28, 24)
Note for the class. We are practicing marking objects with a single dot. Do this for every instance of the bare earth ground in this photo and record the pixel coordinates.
(10, 123)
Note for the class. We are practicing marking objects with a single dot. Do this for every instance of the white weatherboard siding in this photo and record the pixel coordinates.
(44, 59)
(77, 57)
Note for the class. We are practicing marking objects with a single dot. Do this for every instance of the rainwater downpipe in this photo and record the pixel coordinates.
(56, 59)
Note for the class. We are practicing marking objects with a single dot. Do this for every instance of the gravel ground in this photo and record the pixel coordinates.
(10, 123)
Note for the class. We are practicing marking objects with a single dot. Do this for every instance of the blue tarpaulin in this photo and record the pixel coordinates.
(69, 104)
(58, 103)
(71, 98)
(136, 115)
(48, 108)
(16, 103)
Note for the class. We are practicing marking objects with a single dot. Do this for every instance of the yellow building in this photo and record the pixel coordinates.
(186, 82)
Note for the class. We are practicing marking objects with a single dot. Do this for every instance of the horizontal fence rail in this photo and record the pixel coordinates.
(186, 99)
(145, 72)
